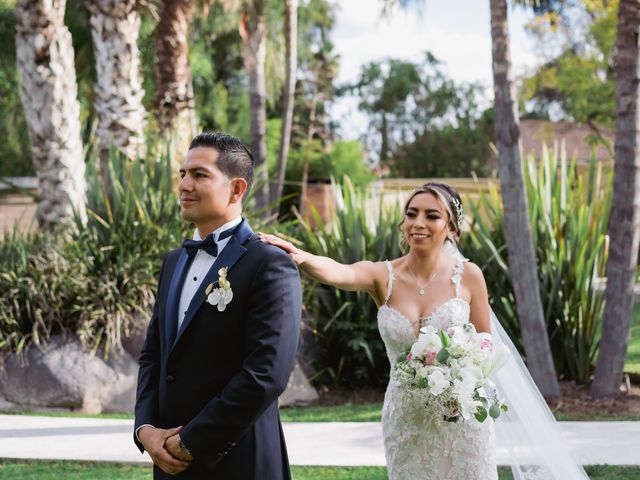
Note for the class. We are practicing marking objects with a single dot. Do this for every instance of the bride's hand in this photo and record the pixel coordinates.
(299, 256)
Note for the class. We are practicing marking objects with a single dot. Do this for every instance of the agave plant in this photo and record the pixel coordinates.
(569, 213)
(348, 348)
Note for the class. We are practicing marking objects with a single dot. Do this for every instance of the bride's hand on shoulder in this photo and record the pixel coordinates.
(359, 276)
(298, 255)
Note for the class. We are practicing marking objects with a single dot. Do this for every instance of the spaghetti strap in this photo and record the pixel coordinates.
(389, 282)
(457, 274)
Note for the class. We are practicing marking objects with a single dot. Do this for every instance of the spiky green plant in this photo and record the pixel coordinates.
(348, 347)
(569, 214)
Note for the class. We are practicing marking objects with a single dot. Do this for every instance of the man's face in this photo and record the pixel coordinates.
(205, 192)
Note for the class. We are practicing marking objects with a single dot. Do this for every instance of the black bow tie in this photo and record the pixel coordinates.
(209, 245)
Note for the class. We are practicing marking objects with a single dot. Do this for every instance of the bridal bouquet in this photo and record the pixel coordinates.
(450, 372)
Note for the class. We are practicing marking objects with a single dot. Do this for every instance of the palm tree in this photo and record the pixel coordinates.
(175, 106)
(522, 258)
(624, 220)
(253, 31)
(115, 25)
(291, 54)
(49, 95)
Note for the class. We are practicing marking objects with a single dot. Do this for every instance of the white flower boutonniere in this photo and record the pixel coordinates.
(221, 296)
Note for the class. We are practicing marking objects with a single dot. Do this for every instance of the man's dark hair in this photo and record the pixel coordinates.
(234, 158)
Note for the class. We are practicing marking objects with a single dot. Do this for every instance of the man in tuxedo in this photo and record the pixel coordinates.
(223, 335)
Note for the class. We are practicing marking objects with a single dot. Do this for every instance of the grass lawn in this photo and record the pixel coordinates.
(368, 412)
(633, 353)
(17, 470)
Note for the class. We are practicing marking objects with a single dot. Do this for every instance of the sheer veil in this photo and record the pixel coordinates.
(535, 447)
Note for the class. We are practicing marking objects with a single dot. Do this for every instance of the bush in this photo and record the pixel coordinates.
(569, 215)
(96, 280)
(348, 348)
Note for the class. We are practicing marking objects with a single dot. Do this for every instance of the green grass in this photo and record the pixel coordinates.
(633, 352)
(21, 470)
(594, 417)
(368, 412)
(117, 416)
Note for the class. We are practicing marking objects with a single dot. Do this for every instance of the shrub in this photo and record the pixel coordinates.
(348, 349)
(569, 215)
(96, 280)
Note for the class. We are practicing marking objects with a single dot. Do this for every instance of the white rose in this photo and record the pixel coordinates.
(438, 381)
(428, 342)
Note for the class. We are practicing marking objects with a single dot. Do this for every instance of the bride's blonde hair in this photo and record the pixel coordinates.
(449, 199)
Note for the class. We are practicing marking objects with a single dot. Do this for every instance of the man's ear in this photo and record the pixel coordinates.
(238, 188)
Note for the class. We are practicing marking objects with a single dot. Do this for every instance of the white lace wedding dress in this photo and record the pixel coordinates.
(420, 446)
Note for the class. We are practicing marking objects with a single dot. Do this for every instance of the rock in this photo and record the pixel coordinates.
(299, 390)
(61, 375)
(133, 342)
(122, 397)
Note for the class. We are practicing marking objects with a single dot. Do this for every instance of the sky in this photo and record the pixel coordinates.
(457, 32)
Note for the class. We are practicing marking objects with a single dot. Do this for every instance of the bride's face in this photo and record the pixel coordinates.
(425, 222)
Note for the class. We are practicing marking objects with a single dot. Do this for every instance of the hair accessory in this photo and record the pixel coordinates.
(459, 212)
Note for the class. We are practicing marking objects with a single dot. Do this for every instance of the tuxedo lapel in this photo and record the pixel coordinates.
(173, 298)
(227, 258)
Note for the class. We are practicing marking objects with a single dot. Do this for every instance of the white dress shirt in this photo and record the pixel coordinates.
(200, 265)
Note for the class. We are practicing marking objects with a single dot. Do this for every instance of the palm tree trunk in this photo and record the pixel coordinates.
(175, 104)
(115, 25)
(522, 259)
(624, 221)
(291, 53)
(49, 95)
(253, 30)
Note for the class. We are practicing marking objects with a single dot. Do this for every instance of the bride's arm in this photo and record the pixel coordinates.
(474, 281)
(359, 276)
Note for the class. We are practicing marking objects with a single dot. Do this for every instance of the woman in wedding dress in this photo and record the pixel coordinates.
(433, 284)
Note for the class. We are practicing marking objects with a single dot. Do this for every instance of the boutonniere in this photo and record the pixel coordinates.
(221, 296)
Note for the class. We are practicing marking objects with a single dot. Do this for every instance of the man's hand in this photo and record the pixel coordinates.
(153, 440)
(172, 444)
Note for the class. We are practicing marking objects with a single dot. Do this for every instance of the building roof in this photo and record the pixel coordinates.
(576, 138)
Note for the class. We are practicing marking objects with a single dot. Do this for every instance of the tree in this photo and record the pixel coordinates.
(175, 104)
(624, 220)
(422, 123)
(576, 79)
(385, 90)
(253, 31)
(522, 259)
(49, 95)
(115, 25)
(291, 54)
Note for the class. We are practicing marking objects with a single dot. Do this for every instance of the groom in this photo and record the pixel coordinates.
(223, 334)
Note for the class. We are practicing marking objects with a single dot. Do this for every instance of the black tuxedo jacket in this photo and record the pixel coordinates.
(221, 373)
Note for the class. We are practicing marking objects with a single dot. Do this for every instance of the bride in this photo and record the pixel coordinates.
(433, 284)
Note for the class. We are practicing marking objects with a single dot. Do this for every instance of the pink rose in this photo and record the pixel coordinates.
(429, 358)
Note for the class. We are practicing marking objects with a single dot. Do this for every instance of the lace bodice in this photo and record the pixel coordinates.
(417, 445)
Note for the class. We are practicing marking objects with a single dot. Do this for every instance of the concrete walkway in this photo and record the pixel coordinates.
(339, 443)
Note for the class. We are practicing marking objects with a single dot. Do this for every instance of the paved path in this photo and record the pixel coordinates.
(338, 443)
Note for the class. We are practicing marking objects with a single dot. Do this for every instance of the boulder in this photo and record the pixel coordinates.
(61, 375)
(299, 390)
